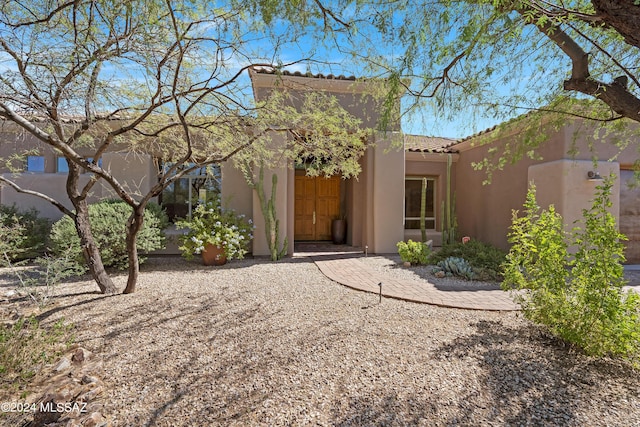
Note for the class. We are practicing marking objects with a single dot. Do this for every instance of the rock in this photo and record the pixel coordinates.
(94, 419)
(88, 379)
(74, 385)
(91, 394)
(62, 365)
(81, 355)
(48, 416)
(11, 293)
(406, 264)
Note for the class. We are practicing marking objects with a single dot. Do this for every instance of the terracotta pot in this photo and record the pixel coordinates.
(213, 255)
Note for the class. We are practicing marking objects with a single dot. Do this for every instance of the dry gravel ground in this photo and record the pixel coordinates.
(259, 343)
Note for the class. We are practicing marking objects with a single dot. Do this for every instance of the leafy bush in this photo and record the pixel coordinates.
(25, 347)
(580, 298)
(413, 252)
(154, 208)
(486, 260)
(108, 223)
(12, 236)
(34, 232)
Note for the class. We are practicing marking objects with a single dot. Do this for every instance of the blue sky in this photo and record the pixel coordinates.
(331, 57)
(328, 59)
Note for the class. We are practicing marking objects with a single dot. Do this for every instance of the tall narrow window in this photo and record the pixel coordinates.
(413, 200)
(35, 164)
(61, 165)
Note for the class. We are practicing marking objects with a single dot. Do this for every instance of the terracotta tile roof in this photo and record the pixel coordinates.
(429, 144)
(264, 70)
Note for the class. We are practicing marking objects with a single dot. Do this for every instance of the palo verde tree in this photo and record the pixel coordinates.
(500, 58)
(153, 77)
(504, 55)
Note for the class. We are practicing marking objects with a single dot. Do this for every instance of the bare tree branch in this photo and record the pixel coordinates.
(42, 196)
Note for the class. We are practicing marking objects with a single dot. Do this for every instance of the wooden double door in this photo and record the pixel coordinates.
(317, 203)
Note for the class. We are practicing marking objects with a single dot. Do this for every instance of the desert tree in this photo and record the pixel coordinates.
(151, 77)
(497, 59)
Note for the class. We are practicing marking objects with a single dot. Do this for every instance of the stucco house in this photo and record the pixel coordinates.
(382, 204)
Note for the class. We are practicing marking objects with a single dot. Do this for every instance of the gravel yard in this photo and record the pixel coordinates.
(259, 343)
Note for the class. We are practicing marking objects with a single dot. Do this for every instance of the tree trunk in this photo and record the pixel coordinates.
(90, 250)
(134, 224)
(621, 15)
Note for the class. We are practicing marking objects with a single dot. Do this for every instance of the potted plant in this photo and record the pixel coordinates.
(215, 233)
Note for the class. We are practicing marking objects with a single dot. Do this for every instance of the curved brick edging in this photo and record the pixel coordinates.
(350, 272)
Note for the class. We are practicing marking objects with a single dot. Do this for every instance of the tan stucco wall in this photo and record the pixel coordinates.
(362, 99)
(356, 199)
(564, 184)
(236, 194)
(387, 194)
(579, 135)
(484, 212)
(50, 184)
(630, 215)
(133, 172)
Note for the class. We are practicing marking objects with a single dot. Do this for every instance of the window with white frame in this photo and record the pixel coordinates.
(413, 200)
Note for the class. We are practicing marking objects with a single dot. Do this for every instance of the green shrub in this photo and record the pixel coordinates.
(580, 298)
(413, 252)
(108, 224)
(12, 236)
(154, 208)
(25, 347)
(485, 260)
(34, 232)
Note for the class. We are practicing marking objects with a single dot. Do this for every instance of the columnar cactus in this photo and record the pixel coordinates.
(271, 222)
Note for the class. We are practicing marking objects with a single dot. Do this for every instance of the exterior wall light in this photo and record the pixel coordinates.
(594, 176)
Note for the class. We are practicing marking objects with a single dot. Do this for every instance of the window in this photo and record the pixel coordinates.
(412, 202)
(61, 165)
(90, 159)
(35, 164)
(182, 196)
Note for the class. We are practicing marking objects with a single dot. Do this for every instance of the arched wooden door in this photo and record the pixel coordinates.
(317, 203)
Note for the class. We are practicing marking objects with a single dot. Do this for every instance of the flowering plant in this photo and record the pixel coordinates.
(211, 224)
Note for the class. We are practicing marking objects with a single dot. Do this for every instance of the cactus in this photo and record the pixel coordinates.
(450, 224)
(456, 266)
(271, 222)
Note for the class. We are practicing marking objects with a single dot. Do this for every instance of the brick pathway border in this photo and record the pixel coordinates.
(349, 271)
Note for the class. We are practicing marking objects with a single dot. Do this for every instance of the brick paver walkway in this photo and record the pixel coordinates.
(350, 271)
(344, 266)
